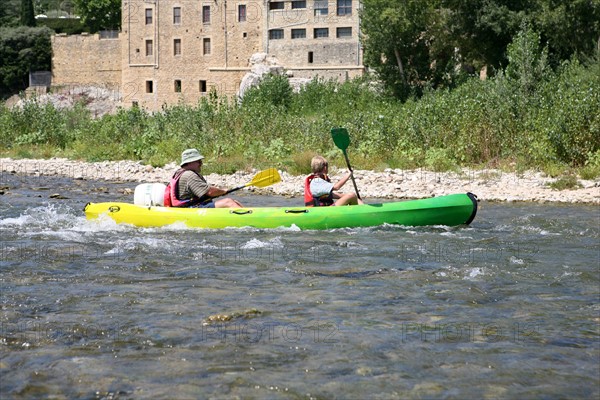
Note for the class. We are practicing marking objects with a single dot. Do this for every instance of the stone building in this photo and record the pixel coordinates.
(171, 51)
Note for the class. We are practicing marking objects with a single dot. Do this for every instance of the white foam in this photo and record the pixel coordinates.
(45, 216)
(515, 260)
(258, 244)
(473, 273)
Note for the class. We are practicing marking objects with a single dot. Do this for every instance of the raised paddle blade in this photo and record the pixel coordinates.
(265, 178)
(340, 138)
(262, 179)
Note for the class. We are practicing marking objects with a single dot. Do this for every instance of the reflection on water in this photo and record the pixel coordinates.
(505, 308)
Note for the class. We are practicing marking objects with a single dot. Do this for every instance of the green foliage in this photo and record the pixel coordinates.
(7, 13)
(565, 182)
(70, 26)
(569, 27)
(274, 91)
(416, 45)
(572, 114)
(481, 30)
(592, 166)
(527, 61)
(22, 49)
(395, 36)
(491, 122)
(27, 15)
(99, 14)
(41, 124)
(439, 160)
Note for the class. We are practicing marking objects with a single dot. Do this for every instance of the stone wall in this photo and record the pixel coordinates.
(177, 51)
(86, 60)
(171, 56)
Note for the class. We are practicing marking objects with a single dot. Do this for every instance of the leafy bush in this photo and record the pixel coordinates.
(488, 122)
(70, 26)
(572, 118)
(273, 90)
(591, 169)
(565, 182)
(43, 124)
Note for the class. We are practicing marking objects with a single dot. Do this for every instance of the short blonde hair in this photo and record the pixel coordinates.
(318, 164)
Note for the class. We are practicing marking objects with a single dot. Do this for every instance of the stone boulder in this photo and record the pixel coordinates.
(260, 65)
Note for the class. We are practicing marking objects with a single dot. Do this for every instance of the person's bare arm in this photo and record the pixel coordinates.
(214, 191)
(338, 185)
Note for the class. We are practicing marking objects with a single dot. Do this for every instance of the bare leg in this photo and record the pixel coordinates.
(227, 203)
(348, 199)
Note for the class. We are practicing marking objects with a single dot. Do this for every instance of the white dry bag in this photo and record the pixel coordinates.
(149, 194)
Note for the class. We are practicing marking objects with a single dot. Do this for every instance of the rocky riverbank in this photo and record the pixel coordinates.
(488, 184)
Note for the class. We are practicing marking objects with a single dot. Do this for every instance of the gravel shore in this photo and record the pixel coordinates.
(488, 184)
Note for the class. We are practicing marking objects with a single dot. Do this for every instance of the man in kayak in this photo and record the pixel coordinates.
(189, 189)
(319, 191)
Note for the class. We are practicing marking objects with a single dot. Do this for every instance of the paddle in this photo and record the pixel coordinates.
(262, 179)
(342, 141)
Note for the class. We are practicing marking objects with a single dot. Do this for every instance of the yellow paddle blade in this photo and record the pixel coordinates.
(265, 178)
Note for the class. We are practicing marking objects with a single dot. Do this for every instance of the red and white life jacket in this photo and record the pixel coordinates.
(309, 200)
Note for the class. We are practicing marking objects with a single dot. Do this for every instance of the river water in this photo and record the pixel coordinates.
(508, 307)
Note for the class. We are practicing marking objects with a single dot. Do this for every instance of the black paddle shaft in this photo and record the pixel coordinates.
(351, 174)
(233, 190)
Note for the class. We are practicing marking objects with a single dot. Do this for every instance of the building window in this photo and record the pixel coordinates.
(241, 13)
(206, 46)
(298, 4)
(202, 86)
(177, 86)
(344, 32)
(321, 33)
(148, 16)
(298, 33)
(177, 47)
(149, 47)
(206, 14)
(321, 7)
(149, 87)
(276, 5)
(344, 7)
(276, 34)
(177, 15)
(310, 57)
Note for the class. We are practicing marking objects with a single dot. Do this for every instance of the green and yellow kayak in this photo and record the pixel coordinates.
(451, 210)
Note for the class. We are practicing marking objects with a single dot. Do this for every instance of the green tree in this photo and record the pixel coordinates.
(527, 60)
(396, 35)
(568, 26)
(481, 29)
(22, 49)
(99, 14)
(3, 13)
(27, 15)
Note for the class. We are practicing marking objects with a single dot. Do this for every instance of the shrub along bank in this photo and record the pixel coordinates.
(553, 125)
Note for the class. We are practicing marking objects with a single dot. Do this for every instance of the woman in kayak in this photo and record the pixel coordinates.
(319, 191)
(189, 189)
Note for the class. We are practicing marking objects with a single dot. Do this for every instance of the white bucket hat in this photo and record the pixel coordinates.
(190, 155)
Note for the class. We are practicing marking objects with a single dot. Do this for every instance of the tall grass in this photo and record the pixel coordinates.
(490, 122)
